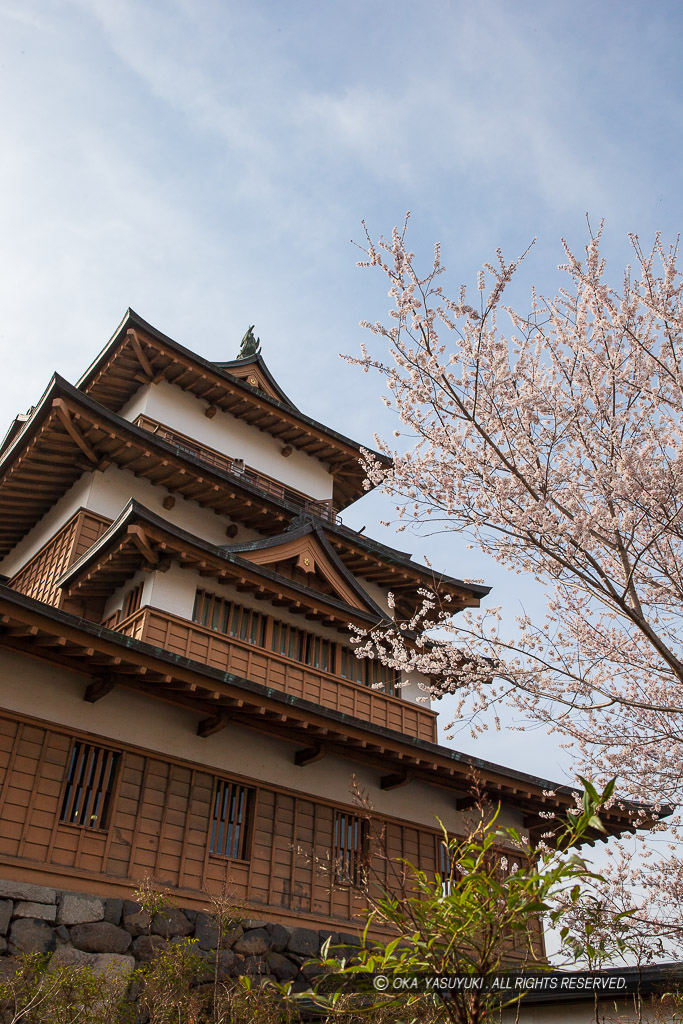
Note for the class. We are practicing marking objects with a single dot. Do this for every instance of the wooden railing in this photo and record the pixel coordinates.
(180, 636)
(236, 467)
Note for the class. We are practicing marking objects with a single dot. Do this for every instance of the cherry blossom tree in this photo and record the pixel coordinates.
(553, 439)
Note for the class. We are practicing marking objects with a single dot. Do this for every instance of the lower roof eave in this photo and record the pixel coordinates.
(37, 629)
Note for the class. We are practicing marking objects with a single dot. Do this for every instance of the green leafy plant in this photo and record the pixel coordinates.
(39, 993)
(483, 916)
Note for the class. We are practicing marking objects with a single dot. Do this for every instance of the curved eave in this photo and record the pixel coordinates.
(97, 653)
(130, 360)
(140, 539)
(49, 456)
(70, 434)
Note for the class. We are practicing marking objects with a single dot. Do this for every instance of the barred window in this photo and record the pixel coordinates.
(89, 785)
(368, 671)
(303, 646)
(350, 845)
(230, 820)
(227, 617)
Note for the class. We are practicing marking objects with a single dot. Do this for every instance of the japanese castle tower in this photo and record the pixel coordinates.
(179, 697)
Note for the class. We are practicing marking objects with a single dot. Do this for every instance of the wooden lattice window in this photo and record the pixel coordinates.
(230, 820)
(132, 602)
(350, 848)
(227, 617)
(368, 671)
(300, 645)
(89, 785)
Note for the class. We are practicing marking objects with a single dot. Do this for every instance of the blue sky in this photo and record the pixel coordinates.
(208, 163)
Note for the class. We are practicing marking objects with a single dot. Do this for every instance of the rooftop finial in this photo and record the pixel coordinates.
(250, 346)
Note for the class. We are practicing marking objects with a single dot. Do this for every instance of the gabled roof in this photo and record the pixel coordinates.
(139, 538)
(253, 369)
(307, 542)
(139, 354)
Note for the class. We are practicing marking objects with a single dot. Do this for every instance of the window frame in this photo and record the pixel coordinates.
(225, 793)
(82, 804)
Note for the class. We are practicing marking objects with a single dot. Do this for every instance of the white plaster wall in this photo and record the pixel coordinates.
(412, 688)
(37, 688)
(112, 490)
(60, 513)
(116, 600)
(108, 493)
(136, 404)
(378, 595)
(174, 590)
(183, 412)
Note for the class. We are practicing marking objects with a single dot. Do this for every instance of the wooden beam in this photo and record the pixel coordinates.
(308, 755)
(72, 430)
(142, 544)
(214, 723)
(139, 354)
(98, 688)
(396, 780)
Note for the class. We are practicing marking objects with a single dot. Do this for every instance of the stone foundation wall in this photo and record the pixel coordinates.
(77, 928)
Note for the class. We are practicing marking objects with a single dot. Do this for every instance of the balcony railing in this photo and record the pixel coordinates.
(190, 640)
(300, 502)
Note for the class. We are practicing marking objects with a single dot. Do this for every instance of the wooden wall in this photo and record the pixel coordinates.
(159, 825)
(37, 578)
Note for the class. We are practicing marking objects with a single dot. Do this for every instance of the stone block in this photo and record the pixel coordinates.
(116, 968)
(29, 935)
(62, 933)
(252, 923)
(253, 943)
(230, 936)
(40, 911)
(113, 909)
(303, 941)
(100, 937)
(279, 937)
(137, 922)
(206, 931)
(237, 968)
(224, 964)
(311, 970)
(27, 891)
(79, 908)
(69, 956)
(255, 965)
(3, 945)
(8, 969)
(171, 922)
(281, 967)
(6, 907)
(148, 947)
